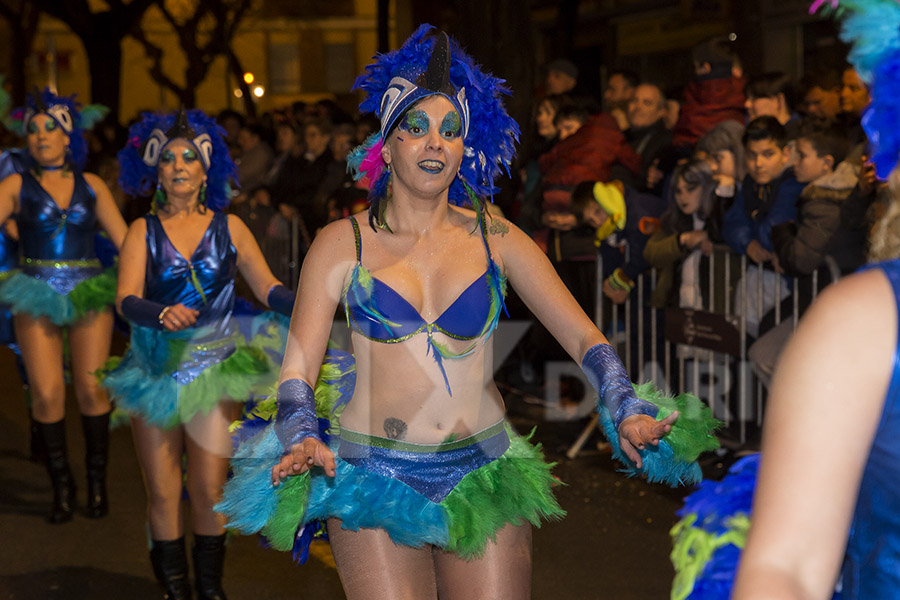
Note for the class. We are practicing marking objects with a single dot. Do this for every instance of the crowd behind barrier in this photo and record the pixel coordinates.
(705, 351)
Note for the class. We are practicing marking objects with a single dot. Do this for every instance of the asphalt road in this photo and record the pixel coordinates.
(613, 544)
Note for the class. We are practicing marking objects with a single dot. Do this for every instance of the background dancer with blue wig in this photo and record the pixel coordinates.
(62, 284)
(188, 362)
(424, 488)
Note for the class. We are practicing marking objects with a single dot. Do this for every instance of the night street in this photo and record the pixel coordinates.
(614, 542)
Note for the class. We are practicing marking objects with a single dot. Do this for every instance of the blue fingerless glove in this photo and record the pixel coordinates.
(607, 374)
(281, 300)
(143, 312)
(295, 419)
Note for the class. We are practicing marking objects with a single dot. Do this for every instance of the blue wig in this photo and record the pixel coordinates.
(138, 177)
(67, 113)
(490, 136)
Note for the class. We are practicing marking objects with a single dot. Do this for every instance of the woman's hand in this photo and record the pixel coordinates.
(178, 316)
(310, 452)
(637, 431)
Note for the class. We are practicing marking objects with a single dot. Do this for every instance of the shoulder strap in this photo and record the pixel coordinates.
(357, 238)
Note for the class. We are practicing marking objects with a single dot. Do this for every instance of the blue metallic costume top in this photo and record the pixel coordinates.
(204, 282)
(379, 313)
(872, 562)
(58, 244)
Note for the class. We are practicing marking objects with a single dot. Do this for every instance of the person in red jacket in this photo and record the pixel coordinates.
(716, 94)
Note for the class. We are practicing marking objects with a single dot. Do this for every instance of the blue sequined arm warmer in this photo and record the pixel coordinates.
(281, 300)
(143, 312)
(296, 417)
(607, 374)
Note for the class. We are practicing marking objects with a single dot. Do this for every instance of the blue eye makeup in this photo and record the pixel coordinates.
(50, 125)
(451, 126)
(415, 122)
(167, 157)
(32, 127)
(189, 155)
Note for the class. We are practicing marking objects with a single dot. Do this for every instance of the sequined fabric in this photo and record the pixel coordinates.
(433, 470)
(204, 282)
(872, 563)
(48, 232)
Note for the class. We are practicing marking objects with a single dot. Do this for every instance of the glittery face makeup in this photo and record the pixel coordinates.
(47, 142)
(451, 126)
(180, 169)
(426, 151)
(189, 155)
(49, 125)
(415, 122)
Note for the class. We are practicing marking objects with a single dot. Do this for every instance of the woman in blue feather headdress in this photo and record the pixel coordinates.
(188, 363)
(62, 285)
(423, 487)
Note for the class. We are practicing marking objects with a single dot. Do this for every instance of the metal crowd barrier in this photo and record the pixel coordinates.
(708, 345)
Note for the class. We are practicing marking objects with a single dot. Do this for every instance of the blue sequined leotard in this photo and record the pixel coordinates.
(167, 377)
(872, 562)
(9, 261)
(61, 277)
(58, 244)
(377, 312)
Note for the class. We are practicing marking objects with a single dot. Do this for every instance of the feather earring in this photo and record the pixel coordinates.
(159, 199)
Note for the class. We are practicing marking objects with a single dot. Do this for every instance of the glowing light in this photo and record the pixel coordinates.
(259, 91)
(249, 78)
(732, 36)
(238, 93)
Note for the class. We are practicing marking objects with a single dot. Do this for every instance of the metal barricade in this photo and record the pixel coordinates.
(708, 344)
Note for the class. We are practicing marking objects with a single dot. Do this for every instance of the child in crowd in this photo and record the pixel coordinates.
(767, 197)
(723, 148)
(802, 246)
(569, 119)
(689, 227)
(619, 214)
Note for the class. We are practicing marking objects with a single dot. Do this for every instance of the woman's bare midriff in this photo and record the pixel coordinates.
(400, 392)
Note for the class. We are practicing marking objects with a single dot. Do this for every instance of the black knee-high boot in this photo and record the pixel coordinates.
(169, 559)
(54, 437)
(209, 559)
(96, 441)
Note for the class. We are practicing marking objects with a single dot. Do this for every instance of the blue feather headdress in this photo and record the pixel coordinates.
(67, 113)
(872, 28)
(147, 139)
(398, 79)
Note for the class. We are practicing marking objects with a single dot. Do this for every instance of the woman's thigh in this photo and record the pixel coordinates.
(90, 339)
(372, 567)
(41, 345)
(502, 573)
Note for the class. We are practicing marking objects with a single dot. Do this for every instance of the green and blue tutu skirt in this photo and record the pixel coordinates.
(166, 378)
(62, 290)
(455, 495)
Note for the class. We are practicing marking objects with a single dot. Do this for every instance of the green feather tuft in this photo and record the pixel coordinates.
(236, 378)
(96, 293)
(293, 494)
(694, 547)
(691, 435)
(513, 488)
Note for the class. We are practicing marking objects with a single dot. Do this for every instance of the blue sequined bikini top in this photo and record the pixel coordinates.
(48, 232)
(204, 281)
(379, 313)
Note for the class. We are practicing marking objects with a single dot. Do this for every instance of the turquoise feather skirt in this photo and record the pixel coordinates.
(149, 382)
(29, 295)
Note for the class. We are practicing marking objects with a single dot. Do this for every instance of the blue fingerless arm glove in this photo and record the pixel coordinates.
(281, 300)
(607, 374)
(143, 312)
(295, 419)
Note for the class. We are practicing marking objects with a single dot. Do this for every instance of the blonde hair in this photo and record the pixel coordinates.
(885, 238)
